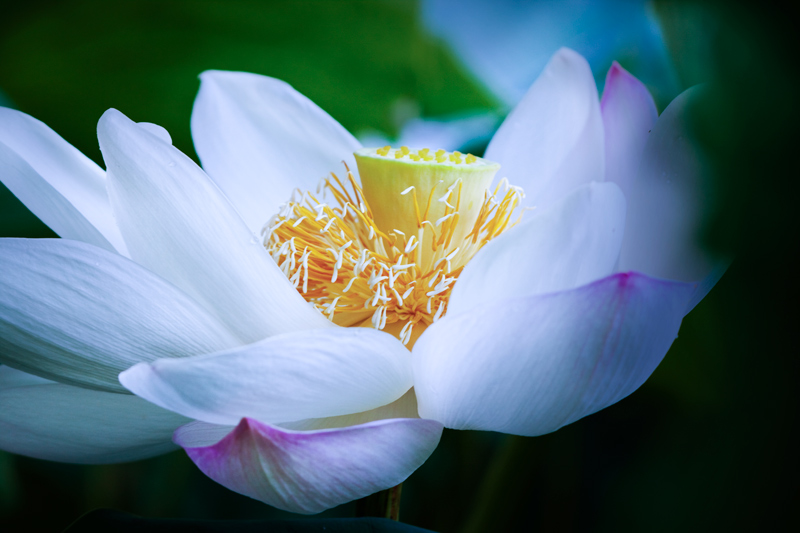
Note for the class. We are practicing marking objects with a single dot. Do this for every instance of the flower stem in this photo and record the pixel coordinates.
(383, 504)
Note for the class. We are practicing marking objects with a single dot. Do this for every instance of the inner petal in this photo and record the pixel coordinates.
(386, 254)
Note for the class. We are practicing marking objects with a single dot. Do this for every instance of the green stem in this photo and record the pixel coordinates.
(383, 504)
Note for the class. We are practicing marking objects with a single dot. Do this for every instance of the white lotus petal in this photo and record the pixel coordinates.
(308, 472)
(259, 139)
(572, 243)
(58, 422)
(78, 314)
(552, 142)
(60, 185)
(629, 114)
(667, 201)
(178, 224)
(530, 365)
(309, 374)
(156, 130)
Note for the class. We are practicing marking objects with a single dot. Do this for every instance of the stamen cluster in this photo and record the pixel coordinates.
(330, 248)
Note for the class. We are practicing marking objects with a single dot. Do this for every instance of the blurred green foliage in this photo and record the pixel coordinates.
(705, 444)
(363, 62)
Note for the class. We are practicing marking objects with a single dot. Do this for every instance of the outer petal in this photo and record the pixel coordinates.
(575, 241)
(308, 472)
(667, 201)
(629, 114)
(60, 185)
(178, 224)
(552, 142)
(287, 377)
(59, 422)
(531, 365)
(259, 139)
(78, 314)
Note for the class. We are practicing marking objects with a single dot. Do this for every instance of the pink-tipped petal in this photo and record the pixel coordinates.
(529, 366)
(629, 114)
(259, 139)
(308, 472)
(552, 142)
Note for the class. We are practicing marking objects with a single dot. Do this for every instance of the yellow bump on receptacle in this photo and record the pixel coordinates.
(426, 155)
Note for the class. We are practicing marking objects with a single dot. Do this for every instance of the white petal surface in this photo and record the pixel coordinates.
(178, 224)
(58, 422)
(552, 142)
(60, 185)
(629, 114)
(287, 377)
(667, 201)
(259, 139)
(78, 314)
(574, 242)
(308, 472)
(531, 365)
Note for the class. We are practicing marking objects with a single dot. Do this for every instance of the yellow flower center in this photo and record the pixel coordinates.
(387, 253)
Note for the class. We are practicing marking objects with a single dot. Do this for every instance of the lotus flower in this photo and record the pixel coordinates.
(221, 306)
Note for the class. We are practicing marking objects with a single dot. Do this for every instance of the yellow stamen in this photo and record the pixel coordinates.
(397, 277)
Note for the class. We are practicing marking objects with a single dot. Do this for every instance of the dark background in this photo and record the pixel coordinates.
(706, 444)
